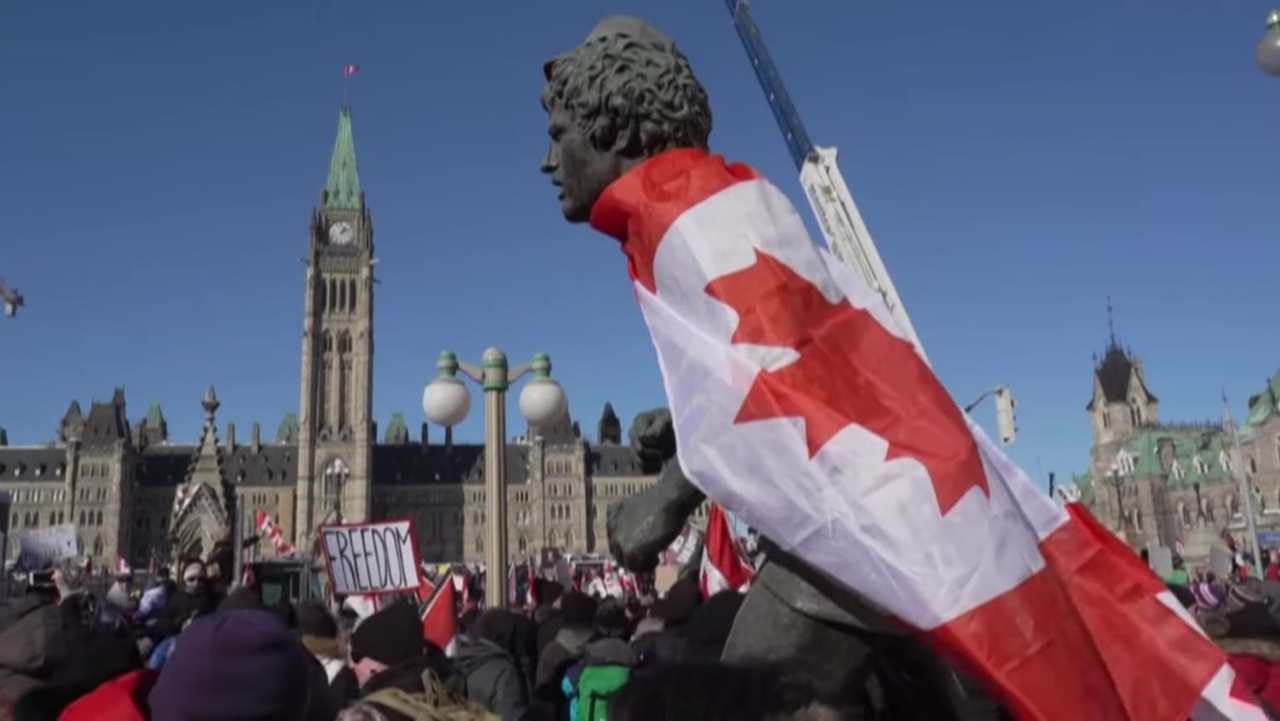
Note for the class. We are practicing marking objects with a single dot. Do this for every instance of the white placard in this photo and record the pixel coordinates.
(40, 547)
(368, 558)
(1161, 561)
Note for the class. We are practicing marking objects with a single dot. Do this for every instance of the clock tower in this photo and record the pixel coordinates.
(335, 432)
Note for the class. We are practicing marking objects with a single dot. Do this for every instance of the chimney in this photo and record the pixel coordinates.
(256, 437)
(425, 443)
(231, 436)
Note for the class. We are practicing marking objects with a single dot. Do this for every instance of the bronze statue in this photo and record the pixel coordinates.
(623, 96)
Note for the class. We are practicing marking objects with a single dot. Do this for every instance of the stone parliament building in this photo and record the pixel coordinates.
(1171, 484)
(134, 493)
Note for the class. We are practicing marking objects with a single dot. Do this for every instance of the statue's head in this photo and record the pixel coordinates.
(625, 94)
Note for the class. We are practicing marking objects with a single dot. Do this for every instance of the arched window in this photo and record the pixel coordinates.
(342, 297)
(568, 539)
(479, 544)
(53, 518)
(321, 295)
(82, 516)
(59, 517)
(99, 523)
(335, 479)
(333, 295)
(97, 546)
(351, 290)
(522, 545)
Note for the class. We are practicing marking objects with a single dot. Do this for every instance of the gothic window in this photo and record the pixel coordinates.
(320, 294)
(97, 546)
(333, 295)
(522, 545)
(1106, 419)
(82, 516)
(344, 381)
(53, 518)
(99, 521)
(60, 518)
(552, 538)
(568, 539)
(335, 478)
(479, 544)
(351, 289)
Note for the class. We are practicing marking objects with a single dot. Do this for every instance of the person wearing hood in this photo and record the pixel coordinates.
(486, 660)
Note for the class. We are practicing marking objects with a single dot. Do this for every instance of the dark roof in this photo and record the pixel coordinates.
(32, 463)
(273, 465)
(1114, 373)
(106, 422)
(610, 460)
(462, 463)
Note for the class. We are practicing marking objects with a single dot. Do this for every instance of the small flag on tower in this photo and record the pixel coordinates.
(349, 70)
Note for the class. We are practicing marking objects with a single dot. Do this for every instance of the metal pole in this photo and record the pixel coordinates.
(494, 363)
(1246, 493)
(237, 538)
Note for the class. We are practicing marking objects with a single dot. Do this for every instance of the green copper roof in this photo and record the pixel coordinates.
(342, 189)
(1265, 403)
(287, 431)
(1189, 442)
(397, 431)
(155, 419)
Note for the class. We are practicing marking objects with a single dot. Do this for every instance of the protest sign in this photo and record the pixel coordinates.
(41, 547)
(1161, 560)
(368, 558)
(1220, 562)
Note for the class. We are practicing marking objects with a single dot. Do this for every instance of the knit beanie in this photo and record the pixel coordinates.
(233, 665)
(680, 602)
(577, 609)
(390, 636)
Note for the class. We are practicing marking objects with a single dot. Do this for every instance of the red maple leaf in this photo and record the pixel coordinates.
(850, 370)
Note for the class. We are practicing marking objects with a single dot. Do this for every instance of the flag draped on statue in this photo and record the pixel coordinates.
(439, 623)
(723, 568)
(268, 528)
(799, 406)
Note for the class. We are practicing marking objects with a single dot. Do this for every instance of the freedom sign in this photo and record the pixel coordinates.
(41, 547)
(375, 557)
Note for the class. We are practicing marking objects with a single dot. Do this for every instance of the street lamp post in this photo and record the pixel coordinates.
(445, 401)
(1268, 51)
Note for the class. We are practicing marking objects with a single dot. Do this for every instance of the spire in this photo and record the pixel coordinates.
(210, 404)
(342, 189)
(1111, 323)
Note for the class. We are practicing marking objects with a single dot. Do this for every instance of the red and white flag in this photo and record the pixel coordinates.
(122, 567)
(439, 623)
(349, 70)
(799, 406)
(723, 568)
(269, 529)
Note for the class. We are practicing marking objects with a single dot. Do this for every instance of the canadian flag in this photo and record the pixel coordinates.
(268, 527)
(722, 566)
(439, 624)
(799, 406)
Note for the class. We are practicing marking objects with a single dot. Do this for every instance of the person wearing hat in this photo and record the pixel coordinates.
(388, 651)
(233, 665)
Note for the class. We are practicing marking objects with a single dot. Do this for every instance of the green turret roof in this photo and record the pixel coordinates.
(397, 431)
(155, 418)
(342, 189)
(287, 431)
(1265, 403)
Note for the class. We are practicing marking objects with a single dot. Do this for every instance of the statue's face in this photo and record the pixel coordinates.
(579, 169)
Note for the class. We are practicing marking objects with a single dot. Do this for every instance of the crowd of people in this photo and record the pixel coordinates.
(187, 649)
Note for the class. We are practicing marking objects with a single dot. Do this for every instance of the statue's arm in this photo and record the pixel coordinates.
(641, 526)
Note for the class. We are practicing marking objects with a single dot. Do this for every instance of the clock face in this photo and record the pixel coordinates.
(340, 233)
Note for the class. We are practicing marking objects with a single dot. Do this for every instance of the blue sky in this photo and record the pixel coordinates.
(1017, 163)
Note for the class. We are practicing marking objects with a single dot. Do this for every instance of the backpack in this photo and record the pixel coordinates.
(596, 685)
(433, 704)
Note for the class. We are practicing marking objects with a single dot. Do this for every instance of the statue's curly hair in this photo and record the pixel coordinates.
(639, 91)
